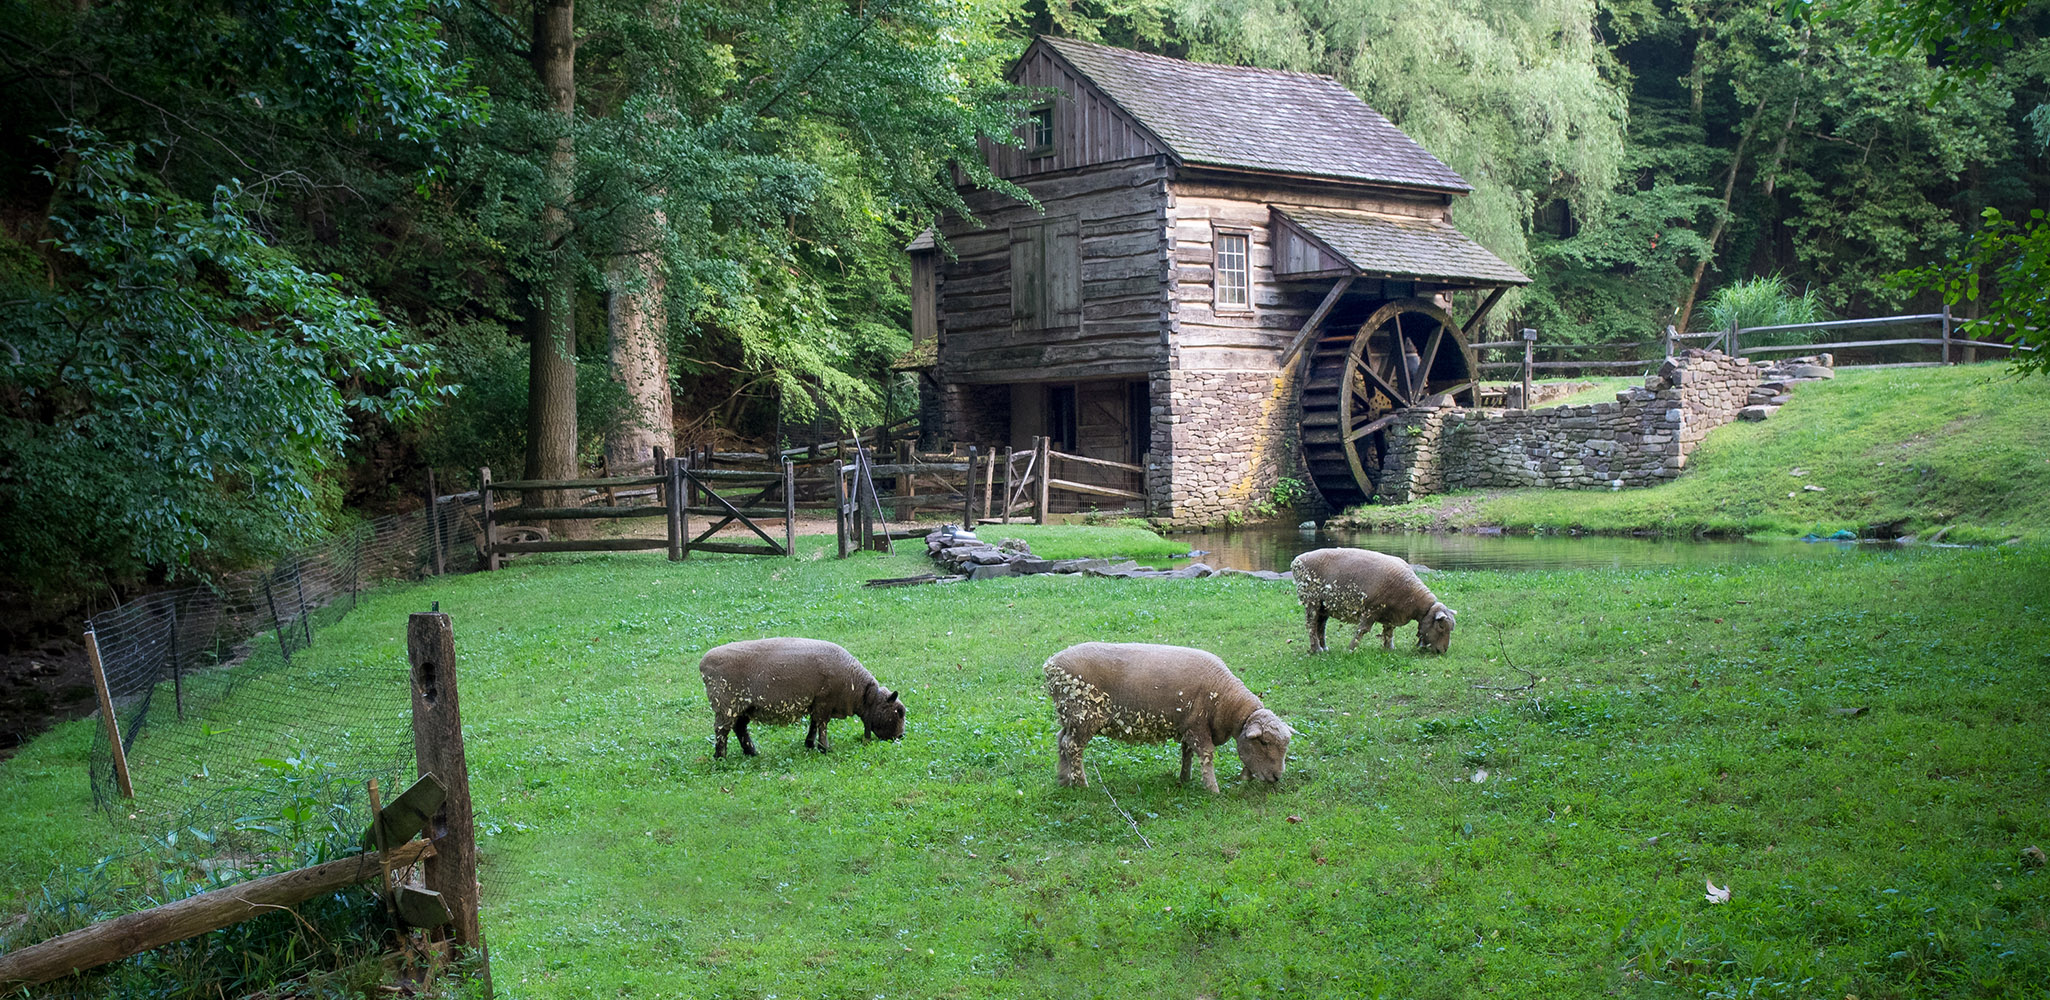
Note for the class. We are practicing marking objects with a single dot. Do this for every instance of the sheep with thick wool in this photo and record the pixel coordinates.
(1144, 693)
(779, 681)
(1368, 588)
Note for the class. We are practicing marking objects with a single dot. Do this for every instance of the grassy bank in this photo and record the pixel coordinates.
(1916, 450)
(1845, 745)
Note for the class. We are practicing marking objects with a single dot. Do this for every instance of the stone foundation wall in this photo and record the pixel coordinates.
(1641, 439)
(977, 414)
(1229, 436)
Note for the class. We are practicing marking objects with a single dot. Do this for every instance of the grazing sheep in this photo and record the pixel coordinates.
(778, 681)
(1368, 588)
(1143, 693)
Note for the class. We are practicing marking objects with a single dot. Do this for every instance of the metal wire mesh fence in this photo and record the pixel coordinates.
(205, 677)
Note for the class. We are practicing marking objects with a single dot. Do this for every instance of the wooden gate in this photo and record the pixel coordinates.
(679, 492)
(697, 491)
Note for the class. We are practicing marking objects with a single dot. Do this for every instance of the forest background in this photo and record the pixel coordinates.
(263, 264)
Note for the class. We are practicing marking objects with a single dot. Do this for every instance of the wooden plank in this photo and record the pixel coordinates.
(772, 513)
(1473, 322)
(577, 484)
(737, 548)
(1042, 453)
(438, 749)
(133, 933)
(581, 545)
(1842, 324)
(1841, 345)
(1102, 491)
(769, 476)
(1372, 427)
(421, 907)
(1103, 462)
(406, 815)
(107, 718)
(919, 469)
(578, 513)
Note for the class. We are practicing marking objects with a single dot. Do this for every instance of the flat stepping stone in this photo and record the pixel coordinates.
(1756, 412)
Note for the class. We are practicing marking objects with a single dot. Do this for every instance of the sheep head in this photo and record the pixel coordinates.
(1263, 746)
(882, 715)
(1434, 632)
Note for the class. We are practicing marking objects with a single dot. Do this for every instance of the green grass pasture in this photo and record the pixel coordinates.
(1855, 747)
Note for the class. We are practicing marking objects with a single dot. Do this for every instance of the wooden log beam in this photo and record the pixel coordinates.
(1099, 462)
(577, 484)
(736, 548)
(581, 545)
(133, 933)
(577, 513)
(1093, 490)
(1473, 322)
(1372, 427)
(1302, 336)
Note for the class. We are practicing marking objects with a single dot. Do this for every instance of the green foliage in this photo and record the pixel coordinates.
(170, 401)
(2002, 268)
(1764, 301)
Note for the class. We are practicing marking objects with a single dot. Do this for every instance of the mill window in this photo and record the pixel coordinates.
(1234, 271)
(1041, 128)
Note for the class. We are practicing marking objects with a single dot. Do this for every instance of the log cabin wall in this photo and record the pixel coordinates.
(1088, 127)
(1227, 413)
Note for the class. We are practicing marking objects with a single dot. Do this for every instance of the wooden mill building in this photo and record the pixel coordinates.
(1233, 275)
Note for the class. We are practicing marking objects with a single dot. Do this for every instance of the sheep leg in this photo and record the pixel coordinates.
(1188, 753)
(1388, 637)
(721, 725)
(1209, 755)
(817, 737)
(1366, 625)
(747, 743)
(1070, 772)
(1314, 615)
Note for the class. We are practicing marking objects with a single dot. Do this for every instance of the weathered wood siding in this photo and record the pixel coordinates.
(1120, 328)
(1088, 128)
(1207, 338)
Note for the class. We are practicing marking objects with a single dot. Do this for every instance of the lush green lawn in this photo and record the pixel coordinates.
(1079, 541)
(1689, 725)
(1921, 448)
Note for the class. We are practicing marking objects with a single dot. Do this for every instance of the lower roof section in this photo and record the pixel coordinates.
(1322, 241)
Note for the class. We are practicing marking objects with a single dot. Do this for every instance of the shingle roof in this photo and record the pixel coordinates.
(1403, 246)
(1258, 119)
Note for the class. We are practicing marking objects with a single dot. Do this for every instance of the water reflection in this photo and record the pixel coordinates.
(1272, 548)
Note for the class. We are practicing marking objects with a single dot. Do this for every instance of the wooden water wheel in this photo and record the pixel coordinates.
(1368, 363)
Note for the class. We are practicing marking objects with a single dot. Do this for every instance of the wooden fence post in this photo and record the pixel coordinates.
(490, 518)
(789, 508)
(680, 494)
(434, 525)
(1946, 333)
(1045, 446)
(1005, 512)
(92, 654)
(1529, 357)
(840, 505)
(968, 493)
(438, 747)
(1669, 339)
(1730, 341)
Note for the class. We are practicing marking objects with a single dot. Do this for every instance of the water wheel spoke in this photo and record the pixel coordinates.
(1430, 356)
(1372, 426)
(1378, 379)
(1397, 357)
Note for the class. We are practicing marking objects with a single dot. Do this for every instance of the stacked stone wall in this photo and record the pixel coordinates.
(1641, 439)
(1230, 436)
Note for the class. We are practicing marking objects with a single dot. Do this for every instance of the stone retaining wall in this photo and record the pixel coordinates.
(1230, 436)
(1641, 439)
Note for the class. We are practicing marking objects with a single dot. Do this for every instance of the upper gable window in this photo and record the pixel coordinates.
(1039, 132)
(1234, 271)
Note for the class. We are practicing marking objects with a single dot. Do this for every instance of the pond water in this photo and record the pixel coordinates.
(1272, 548)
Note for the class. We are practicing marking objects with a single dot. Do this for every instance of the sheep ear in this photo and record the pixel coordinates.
(1252, 731)
(1443, 614)
(891, 698)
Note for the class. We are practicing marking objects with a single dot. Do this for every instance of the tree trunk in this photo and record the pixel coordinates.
(552, 373)
(1722, 219)
(639, 326)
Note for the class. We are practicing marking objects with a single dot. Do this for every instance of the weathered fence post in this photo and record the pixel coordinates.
(177, 665)
(278, 626)
(789, 508)
(840, 505)
(1004, 512)
(1529, 357)
(680, 494)
(1045, 446)
(1946, 333)
(438, 747)
(1668, 339)
(1730, 341)
(434, 525)
(106, 694)
(968, 494)
(490, 518)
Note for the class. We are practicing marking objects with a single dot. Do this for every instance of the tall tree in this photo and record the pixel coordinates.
(552, 370)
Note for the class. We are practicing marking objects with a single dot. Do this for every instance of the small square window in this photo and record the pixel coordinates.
(1234, 271)
(1040, 131)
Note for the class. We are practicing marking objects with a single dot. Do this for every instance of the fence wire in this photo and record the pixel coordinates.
(204, 678)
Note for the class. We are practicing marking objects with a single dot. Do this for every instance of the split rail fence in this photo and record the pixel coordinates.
(1028, 484)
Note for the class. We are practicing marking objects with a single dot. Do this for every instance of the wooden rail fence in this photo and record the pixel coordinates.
(1955, 341)
(678, 493)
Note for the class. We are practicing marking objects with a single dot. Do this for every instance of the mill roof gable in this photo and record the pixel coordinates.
(1249, 118)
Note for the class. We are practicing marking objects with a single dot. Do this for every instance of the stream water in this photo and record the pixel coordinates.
(1272, 548)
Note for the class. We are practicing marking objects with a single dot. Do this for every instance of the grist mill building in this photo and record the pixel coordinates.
(1234, 275)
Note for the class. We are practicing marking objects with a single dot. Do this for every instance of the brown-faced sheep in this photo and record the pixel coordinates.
(1143, 693)
(779, 681)
(1368, 588)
